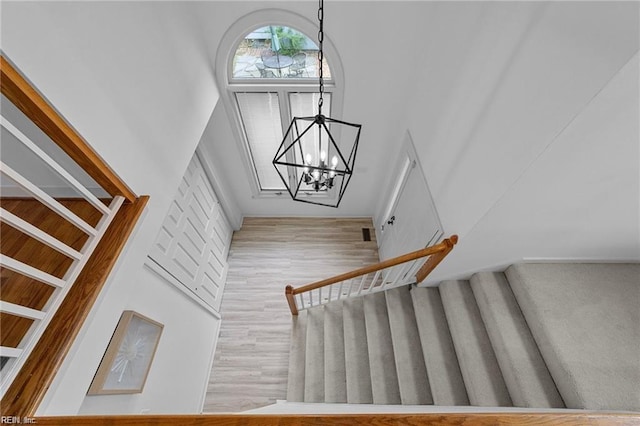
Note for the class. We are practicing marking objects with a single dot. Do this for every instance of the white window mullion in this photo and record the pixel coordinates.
(285, 119)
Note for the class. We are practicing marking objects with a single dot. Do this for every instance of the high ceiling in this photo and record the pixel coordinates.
(483, 86)
(488, 91)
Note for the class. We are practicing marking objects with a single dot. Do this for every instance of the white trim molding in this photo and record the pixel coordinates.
(224, 57)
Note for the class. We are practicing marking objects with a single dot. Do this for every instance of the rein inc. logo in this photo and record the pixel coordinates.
(17, 420)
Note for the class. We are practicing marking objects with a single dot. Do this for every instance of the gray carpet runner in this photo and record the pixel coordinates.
(535, 336)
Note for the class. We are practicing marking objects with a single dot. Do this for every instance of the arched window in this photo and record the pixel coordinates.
(268, 67)
(277, 51)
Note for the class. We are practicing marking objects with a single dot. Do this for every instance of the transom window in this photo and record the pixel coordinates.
(272, 77)
(277, 52)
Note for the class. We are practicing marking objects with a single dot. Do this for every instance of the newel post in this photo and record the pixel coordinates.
(288, 291)
(435, 259)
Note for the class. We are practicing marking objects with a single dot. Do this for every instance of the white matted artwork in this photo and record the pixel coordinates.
(125, 365)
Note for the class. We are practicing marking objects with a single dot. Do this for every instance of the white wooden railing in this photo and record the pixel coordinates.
(402, 270)
(16, 356)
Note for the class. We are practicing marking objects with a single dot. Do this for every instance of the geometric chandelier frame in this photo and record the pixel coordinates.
(318, 153)
(309, 159)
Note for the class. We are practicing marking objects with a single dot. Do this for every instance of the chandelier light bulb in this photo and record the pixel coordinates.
(323, 156)
(334, 161)
(308, 158)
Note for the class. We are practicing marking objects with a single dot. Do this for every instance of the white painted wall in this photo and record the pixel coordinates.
(525, 74)
(133, 80)
(179, 375)
(529, 134)
(579, 201)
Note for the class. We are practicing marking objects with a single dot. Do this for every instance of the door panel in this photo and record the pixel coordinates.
(194, 240)
(411, 221)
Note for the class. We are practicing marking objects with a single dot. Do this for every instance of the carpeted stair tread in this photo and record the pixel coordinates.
(335, 381)
(410, 367)
(295, 379)
(445, 379)
(481, 341)
(480, 371)
(358, 373)
(585, 319)
(314, 359)
(523, 369)
(384, 380)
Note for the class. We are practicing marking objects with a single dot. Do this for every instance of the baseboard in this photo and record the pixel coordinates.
(577, 260)
(465, 275)
(502, 266)
(170, 279)
(307, 408)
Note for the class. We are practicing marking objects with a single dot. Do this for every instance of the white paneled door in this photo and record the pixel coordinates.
(410, 221)
(194, 240)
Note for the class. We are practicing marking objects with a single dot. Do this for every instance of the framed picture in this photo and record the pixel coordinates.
(126, 363)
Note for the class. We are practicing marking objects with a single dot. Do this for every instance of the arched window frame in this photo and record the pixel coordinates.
(229, 86)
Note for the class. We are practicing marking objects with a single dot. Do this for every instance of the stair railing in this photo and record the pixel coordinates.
(57, 250)
(410, 268)
(14, 357)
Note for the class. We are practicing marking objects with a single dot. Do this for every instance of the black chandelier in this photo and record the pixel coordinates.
(309, 160)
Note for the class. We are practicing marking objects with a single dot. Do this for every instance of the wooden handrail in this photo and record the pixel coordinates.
(438, 251)
(588, 418)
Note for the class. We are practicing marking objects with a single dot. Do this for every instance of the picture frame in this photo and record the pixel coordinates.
(126, 362)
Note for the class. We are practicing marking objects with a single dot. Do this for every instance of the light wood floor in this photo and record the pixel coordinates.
(252, 355)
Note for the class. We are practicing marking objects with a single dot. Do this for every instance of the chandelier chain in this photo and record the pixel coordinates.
(320, 53)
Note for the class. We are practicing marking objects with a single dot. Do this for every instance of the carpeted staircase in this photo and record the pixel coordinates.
(537, 335)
